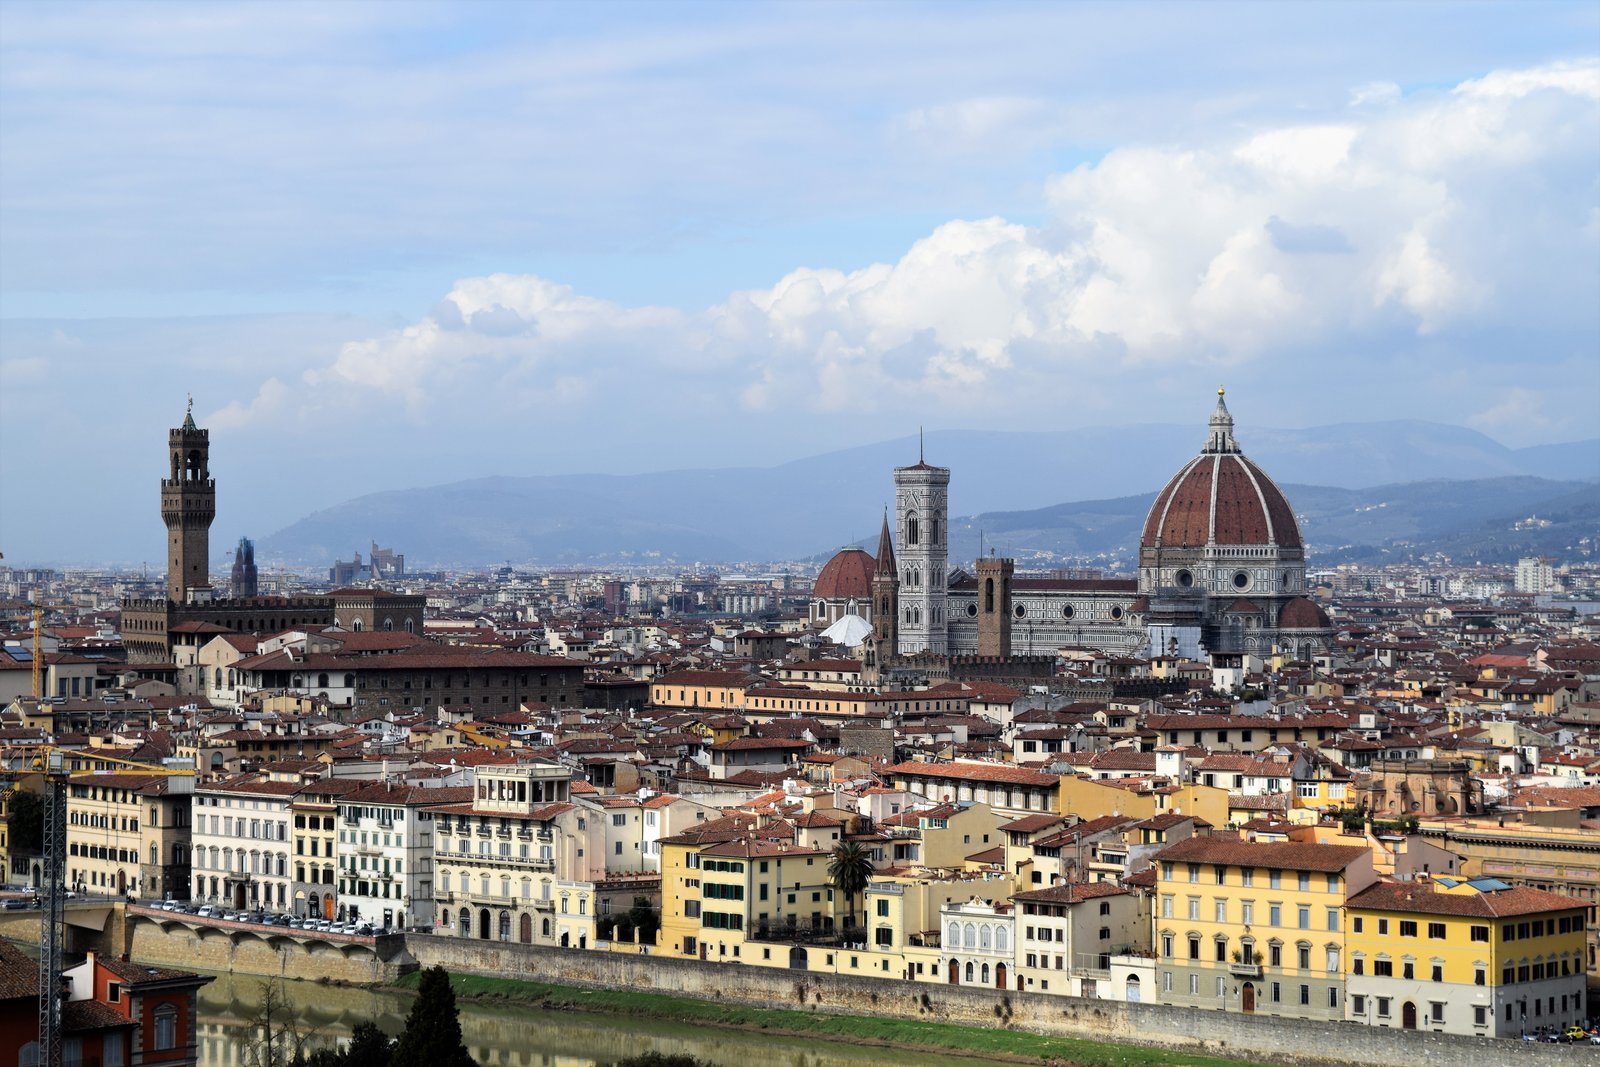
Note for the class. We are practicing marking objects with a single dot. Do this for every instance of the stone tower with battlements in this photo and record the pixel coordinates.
(188, 504)
(994, 605)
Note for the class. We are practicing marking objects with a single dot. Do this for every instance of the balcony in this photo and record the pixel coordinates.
(483, 831)
(525, 835)
(503, 831)
(1245, 970)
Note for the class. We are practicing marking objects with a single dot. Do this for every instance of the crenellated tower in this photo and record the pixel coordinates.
(188, 504)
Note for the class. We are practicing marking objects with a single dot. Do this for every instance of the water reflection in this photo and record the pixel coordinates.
(500, 1036)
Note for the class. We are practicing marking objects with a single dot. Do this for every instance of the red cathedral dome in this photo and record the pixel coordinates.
(1219, 497)
(848, 574)
(1302, 614)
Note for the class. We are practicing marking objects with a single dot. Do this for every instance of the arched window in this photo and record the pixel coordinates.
(28, 1055)
(355, 626)
(988, 596)
(410, 626)
(913, 536)
(1000, 939)
(388, 624)
(322, 681)
(983, 942)
(505, 926)
(969, 972)
(955, 935)
(985, 973)
(349, 681)
(971, 940)
(465, 920)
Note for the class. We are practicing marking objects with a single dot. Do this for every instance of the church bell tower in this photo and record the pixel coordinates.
(188, 504)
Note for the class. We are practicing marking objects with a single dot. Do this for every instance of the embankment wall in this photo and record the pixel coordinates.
(1221, 1033)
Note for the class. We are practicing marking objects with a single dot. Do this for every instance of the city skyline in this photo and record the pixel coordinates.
(459, 242)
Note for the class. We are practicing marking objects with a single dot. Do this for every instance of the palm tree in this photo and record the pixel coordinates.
(850, 870)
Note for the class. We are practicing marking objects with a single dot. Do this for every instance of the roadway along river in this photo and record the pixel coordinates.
(522, 1037)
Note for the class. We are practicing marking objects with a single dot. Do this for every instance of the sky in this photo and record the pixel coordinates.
(398, 244)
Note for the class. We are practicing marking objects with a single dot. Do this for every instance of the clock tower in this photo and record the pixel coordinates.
(922, 518)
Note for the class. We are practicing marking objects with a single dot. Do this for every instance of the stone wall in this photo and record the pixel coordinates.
(1219, 1033)
(212, 948)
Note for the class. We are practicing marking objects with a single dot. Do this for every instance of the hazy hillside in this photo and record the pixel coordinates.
(816, 504)
(1471, 520)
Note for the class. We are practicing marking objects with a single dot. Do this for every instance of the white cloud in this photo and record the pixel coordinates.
(1380, 228)
(1519, 409)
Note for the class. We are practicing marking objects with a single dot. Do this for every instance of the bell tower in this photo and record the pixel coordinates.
(188, 504)
(922, 510)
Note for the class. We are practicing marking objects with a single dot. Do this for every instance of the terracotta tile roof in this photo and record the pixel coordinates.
(18, 973)
(81, 1016)
(134, 974)
(1494, 904)
(1071, 893)
(1289, 855)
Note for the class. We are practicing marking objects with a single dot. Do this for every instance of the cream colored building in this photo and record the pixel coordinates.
(522, 861)
(128, 834)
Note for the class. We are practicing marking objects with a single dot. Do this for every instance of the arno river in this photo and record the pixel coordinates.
(522, 1037)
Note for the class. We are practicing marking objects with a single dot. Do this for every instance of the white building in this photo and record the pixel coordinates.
(1535, 575)
(241, 843)
(978, 946)
(385, 852)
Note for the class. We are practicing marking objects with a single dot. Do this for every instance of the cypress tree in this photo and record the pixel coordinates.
(432, 1037)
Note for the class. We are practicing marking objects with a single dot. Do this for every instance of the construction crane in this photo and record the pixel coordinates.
(38, 645)
(54, 763)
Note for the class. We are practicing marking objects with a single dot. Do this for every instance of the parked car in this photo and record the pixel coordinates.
(205, 911)
(17, 905)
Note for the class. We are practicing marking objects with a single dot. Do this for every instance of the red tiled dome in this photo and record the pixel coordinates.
(1220, 498)
(1302, 614)
(848, 574)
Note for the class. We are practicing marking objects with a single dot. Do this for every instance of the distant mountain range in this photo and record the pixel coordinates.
(1353, 485)
(1484, 520)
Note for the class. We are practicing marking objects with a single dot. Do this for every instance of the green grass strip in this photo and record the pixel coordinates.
(849, 1029)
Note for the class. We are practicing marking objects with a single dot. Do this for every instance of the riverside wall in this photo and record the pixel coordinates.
(235, 948)
(1219, 1033)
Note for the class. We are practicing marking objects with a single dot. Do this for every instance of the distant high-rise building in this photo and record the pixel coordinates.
(386, 562)
(1535, 575)
(243, 579)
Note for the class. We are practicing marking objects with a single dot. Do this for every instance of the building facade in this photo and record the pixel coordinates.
(1465, 956)
(1255, 927)
(242, 842)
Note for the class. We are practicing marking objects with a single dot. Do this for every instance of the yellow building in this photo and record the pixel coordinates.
(731, 881)
(1556, 859)
(128, 834)
(1464, 957)
(1092, 800)
(1255, 927)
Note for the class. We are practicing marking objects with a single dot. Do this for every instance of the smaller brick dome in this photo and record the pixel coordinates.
(1302, 614)
(848, 574)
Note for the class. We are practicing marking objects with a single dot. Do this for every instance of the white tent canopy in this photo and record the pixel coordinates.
(849, 631)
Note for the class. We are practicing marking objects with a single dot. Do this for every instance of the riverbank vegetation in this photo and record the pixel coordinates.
(853, 1029)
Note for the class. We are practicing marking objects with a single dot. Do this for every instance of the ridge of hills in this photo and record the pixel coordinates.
(1362, 490)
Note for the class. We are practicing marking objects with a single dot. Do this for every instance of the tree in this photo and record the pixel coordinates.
(850, 870)
(368, 1048)
(645, 920)
(26, 819)
(432, 1037)
(277, 1040)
